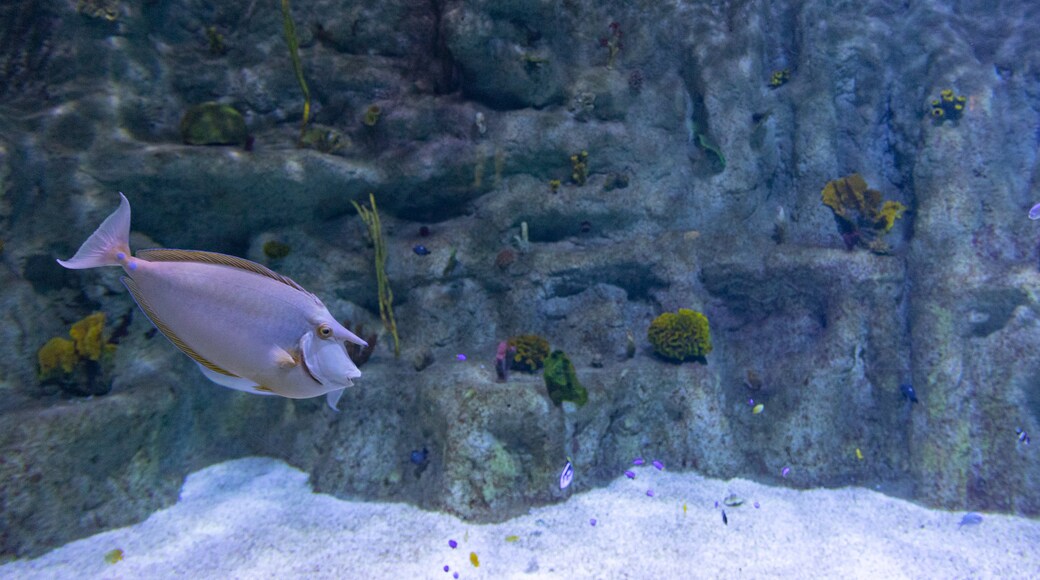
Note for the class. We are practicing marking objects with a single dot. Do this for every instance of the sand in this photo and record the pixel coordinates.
(257, 518)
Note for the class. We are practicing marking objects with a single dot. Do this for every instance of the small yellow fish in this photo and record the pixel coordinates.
(114, 556)
(684, 508)
(758, 409)
(474, 560)
(512, 539)
(859, 454)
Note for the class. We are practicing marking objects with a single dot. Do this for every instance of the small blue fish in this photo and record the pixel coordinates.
(630, 474)
(658, 465)
(419, 456)
(567, 476)
(421, 250)
(592, 522)
(460, 357)
(1034, 212)
(638, 461)
(908, 392)
(1023, 437)
(970, 519)
(725, 520)
(649, 493)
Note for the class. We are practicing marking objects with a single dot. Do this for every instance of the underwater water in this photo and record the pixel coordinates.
(546, 289)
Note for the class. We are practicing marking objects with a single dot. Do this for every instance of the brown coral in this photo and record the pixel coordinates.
(861, 215)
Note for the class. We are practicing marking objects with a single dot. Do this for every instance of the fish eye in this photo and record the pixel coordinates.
(325, 330)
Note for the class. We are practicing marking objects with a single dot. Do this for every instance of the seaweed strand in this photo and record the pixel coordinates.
(294, 51)
(386, 295)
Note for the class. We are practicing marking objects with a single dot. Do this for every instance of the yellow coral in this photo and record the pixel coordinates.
(680, 336)
(890, 212)
(88, 336)
(58, 353)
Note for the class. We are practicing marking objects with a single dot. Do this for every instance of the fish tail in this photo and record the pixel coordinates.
(105, 246)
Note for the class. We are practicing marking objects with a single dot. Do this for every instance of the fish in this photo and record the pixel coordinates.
(246, 327)
(785, 471)
(592, 522)
(684, 508)
(1023, 437)
(725, 520)
(859, 454)
(658, 465)
(758, 409)
(567, 476)
(908, 392)
(970, 519)
(419, 456)
(630, 474)
(453, 544)
(1034, 212)
(420, 250)
(114, 556)
(638, 461)
(474, 560)
(649, 493)
(446, 568)
(511, 539)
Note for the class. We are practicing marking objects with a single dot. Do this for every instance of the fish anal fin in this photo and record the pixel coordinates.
(167, 332)
(263, 389)
(171, 255)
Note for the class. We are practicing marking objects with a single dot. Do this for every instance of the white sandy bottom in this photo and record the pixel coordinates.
(257, 518)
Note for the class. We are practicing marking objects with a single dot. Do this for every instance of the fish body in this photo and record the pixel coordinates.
(1023, 437)
(908, 392)
(725, 520)
(567, 475)
(970, 519)
(758, 409)
(420, 250)
(247, 327)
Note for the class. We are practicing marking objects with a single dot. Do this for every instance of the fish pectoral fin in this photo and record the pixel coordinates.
(285, 359)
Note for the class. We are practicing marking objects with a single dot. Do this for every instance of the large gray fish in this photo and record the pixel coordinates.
(247, 327)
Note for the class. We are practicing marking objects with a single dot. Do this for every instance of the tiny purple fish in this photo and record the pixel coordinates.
(638, 461)
(785, 471)
(446, 568)
(757, 506)
(716, 504)
(751, 402)
(592, 522)
(630, 475)
(453, 544)
(460, 356)
(455, 575)
(649, 493)
(658, 465)
(1034, 212)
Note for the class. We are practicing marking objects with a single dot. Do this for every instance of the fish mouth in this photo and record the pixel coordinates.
(307, 369)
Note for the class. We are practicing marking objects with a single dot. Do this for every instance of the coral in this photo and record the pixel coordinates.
(386, 295)
(274, 249)
(59, 354)
(580, 167)
(948, 106)
(372, 114)
(680, 336)
(562, 381)
(217, 46)
(213, 124)
(294, 53)
(531, 351)
(322, 138)
(81, 366)
(106, 9)
(779, 78)
(861, 215)
(88, 336)
(554, 185)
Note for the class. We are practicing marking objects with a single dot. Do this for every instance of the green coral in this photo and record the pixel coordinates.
(57, 357)
(680, 336)
(580, 167)
(779, 78)
(562, 381)
(213, 124)
(531, 351)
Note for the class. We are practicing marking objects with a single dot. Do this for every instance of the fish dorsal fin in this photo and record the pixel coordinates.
(139, 298)
(168, 255)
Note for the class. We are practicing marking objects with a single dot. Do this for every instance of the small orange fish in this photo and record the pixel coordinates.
(474, 560)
